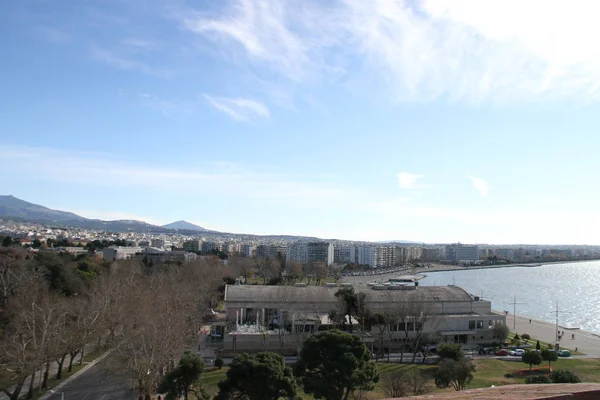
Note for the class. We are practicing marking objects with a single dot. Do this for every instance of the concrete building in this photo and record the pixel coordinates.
(365, 255)
(344, 254)
(260, 316)
(320, 252)
(248, 250)
(271, 251)
(193, 246)
(207, 247)
(298, 252)
(506, 254)
(458, 252)
(114, 253)
(432, 254)
(160, 255)
(158, 243)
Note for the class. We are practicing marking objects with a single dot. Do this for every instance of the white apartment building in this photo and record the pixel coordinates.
(458, 252)
(365, 255)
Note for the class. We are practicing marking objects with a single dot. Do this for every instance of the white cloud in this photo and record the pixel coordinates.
(407, 180)
(239, 108)
(466, 50)
(100, 169)
(481, 186)
(118, 61)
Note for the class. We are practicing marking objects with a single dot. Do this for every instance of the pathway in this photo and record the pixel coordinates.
(53, 370)
(586, 342)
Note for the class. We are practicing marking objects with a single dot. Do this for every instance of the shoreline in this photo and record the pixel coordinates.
(445, 268)
(584, 341)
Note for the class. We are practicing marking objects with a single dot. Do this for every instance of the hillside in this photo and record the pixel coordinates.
(183, 225)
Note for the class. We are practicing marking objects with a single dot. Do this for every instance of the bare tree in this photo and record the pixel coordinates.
(320, 271)
(23, 340)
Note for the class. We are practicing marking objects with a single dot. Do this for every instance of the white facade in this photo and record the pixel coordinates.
(365, 255)
(114, 253)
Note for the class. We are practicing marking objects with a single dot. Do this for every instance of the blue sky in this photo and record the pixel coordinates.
(425, 120)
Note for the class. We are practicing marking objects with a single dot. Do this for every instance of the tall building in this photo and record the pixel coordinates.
(344, 254)
(365, 255)
(458, 252)
(193, 245)
(248, 250)
(207, 247)
(271, 251)
(298, 252)
(432, 254)
(320, 252)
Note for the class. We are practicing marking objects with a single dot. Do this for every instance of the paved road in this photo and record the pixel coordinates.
(95, 384)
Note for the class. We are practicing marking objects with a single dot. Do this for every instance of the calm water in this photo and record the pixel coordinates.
(576, 287)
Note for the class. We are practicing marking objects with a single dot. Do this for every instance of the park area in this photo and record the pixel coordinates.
(489, 371)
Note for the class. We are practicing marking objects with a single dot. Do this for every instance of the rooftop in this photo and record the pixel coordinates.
(278, 294)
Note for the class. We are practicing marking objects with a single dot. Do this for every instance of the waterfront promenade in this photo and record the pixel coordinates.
(587, 343)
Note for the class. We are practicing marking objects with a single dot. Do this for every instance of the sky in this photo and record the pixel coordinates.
(426, 120)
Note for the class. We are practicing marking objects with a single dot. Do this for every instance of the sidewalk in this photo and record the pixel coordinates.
(585, 342)
(53, 370)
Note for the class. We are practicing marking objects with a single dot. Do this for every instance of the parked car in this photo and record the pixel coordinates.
(516, 352)
(502, 352)
(563, 353)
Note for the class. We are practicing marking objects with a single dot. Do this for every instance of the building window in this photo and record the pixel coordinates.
(472, 324)
(480, 324)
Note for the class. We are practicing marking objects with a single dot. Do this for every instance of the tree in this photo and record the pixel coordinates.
(532, 358)
(550, 356)
(564, 376)
(320, 271)
(183, 379)
(348, 300)
(501, 331)
(334, 364)
(406, 381)
(456, 374)
(394, 384)
(538, 347)
(7, 241)
(219, 362)
(262, 376)
(450, 350)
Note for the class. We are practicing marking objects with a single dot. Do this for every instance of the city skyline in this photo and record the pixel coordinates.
(428, 121)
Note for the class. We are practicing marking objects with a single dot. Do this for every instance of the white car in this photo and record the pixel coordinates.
(516, 352)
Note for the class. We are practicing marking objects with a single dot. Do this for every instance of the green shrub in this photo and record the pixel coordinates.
(219, 362)
(564, 376)
(525, 336)
(538, 379)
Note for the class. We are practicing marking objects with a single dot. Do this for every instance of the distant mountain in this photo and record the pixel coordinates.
(183, 225)
(12, 207)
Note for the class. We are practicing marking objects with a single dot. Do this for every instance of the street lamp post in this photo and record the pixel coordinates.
(558, 312)
(514, 304)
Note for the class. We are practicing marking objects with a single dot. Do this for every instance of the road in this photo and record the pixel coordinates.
(95, 384)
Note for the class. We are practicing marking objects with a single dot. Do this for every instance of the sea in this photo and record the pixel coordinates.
(574, 286)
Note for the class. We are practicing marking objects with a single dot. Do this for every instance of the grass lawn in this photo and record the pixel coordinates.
(489, 372)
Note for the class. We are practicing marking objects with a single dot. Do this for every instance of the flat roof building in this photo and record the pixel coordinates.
(448, 314)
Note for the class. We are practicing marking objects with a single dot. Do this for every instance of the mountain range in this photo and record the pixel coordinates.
(15, 208)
